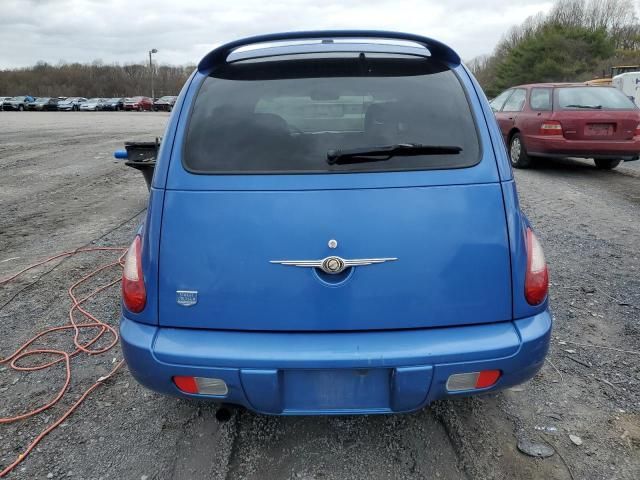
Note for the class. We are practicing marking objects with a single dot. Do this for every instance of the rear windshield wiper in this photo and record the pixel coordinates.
(385, 152)
(573, 105)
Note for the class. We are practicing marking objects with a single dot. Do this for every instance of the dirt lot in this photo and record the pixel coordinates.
(60, 189)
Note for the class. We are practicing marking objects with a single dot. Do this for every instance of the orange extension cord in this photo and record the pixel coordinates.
(91, 322)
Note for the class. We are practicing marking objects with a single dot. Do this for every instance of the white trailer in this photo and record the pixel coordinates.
(629, 84)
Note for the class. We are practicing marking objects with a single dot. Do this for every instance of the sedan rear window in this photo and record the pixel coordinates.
(285, 115)
(599, 98)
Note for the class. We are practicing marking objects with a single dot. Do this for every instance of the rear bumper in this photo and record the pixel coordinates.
(549, 146)
(312, 373)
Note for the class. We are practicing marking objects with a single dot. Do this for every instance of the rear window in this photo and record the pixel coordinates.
(283, 116)
(584, 98)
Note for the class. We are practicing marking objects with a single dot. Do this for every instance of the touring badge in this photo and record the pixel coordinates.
(186, 298)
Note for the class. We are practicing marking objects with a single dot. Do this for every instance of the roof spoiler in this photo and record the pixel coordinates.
(437, 49)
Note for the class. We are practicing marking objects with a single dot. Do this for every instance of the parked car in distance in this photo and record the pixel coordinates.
(71, 104)
(115, 104)
(92, 105)
(164, 104)
(43, 103)
(138, 103)
(568, 120)
(315, 265)
(17, 103)
(2, 99)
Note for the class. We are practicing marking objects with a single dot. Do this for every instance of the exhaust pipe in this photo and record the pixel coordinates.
(224, 412)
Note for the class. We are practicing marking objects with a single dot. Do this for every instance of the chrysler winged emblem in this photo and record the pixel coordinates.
(334, 265)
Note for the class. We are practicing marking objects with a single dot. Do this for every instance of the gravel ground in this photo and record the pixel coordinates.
(60, 190)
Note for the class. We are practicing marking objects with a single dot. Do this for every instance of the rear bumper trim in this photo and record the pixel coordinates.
(263, 370)
(560, 147)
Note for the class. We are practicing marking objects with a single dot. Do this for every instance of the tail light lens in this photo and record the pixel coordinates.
(551, 127)
(473, 380)
(637, 132)
(536, 283)
(201, 385)
(134, 294)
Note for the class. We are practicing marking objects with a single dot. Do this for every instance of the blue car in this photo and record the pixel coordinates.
(333, 228)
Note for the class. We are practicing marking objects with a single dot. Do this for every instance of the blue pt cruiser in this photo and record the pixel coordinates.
(333, 228)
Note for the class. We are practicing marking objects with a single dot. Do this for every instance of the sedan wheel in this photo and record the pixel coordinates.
(603, 164)
(517, 153)
(20, 108)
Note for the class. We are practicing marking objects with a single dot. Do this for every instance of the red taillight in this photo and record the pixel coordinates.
(637, 132)
(536, 282)
(551, 127)
(134, 294)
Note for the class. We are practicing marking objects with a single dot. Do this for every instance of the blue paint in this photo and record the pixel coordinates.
(121, 154)
(403, 370)
(378, 339)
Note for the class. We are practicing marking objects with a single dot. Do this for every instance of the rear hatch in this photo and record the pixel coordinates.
(595, 113)
(251, 188)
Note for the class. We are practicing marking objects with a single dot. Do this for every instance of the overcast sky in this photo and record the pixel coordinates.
(184, 30)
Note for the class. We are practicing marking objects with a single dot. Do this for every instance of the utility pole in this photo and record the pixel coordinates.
(153, 50)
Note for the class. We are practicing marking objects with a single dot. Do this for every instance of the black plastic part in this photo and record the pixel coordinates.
(142, 156)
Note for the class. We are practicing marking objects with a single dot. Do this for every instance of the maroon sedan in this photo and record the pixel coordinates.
(568, 120)
(138, 103)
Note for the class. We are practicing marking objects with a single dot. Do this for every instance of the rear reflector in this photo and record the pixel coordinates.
(201, 385)
(551, 127)
(186, 384)
(472, 380)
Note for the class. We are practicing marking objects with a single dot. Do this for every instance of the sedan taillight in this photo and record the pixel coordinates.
(536, 282)
(551, 127)
(637, 132)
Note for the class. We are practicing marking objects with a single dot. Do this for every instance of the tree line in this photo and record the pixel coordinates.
(93, 80)
(577, 40)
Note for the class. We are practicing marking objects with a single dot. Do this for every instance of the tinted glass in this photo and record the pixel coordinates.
(580, 98)
(285, 115)
(498, 102)
(515, 101)
(540, 99)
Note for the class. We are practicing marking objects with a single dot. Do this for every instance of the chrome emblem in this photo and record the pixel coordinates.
(186, 298)
(333, 243)
(334, 265)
